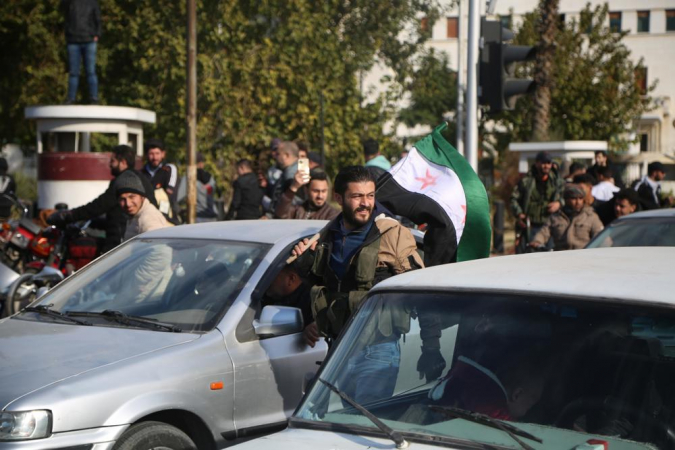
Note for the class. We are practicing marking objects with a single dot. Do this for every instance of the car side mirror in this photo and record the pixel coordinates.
(48, 276)
(278, 321)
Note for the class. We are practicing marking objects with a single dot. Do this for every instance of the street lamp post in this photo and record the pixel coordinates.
(191, 110)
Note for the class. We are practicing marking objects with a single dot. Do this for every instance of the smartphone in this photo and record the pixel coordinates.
(303, 165)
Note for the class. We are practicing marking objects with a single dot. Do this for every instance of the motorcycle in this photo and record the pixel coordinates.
(16, 237)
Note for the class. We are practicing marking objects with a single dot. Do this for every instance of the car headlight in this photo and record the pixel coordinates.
(23, 425)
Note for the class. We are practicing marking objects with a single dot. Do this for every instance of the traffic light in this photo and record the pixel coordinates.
(498, 87)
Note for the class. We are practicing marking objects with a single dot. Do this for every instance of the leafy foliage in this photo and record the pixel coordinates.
(596, 94)
(263, 67)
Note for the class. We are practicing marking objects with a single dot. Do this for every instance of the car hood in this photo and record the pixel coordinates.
(36, 354)
(300, 439)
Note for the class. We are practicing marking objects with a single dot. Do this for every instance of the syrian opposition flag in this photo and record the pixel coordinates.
(435, 185)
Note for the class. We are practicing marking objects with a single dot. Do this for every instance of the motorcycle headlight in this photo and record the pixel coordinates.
(23, 425)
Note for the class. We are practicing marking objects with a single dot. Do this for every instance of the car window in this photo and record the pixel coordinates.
(647, 232)
(562, 370)
(187, 283)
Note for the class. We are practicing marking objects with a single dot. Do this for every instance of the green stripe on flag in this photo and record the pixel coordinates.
(476, 238)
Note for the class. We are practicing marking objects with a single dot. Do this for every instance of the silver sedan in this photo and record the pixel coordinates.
(162, 343)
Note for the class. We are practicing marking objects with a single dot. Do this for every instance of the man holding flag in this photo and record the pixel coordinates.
(365, 245)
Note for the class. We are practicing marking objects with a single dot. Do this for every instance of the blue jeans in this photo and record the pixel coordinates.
(76, 52)
(371, 374)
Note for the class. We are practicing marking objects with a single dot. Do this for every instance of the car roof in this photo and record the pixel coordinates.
(642, 274)
(652, 213)
(263, 231)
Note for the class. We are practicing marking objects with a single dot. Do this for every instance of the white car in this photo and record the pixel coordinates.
(565, 350)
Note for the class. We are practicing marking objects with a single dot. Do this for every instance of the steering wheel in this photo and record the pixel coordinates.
(585, 405)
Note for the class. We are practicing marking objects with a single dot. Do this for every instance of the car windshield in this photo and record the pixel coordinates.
(645, 232)
(180, 282)
(561, 371)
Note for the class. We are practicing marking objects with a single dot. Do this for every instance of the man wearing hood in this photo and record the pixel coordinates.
(538, 194)
(114, 222)
(362, 246)
(573, 226)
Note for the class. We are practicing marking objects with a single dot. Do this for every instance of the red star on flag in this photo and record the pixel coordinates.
(428, 180)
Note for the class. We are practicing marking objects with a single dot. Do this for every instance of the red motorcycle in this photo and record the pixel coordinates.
(54, 253)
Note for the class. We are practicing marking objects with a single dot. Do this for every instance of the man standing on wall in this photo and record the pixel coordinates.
(83, 29)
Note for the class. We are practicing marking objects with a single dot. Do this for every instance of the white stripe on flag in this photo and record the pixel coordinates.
(415, 173)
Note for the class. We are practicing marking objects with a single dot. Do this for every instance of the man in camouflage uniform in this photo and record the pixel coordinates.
(537, 196)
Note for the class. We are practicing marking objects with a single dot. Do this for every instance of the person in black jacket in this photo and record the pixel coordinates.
(649, 188)
(247, 196)
(123, 158)
(8, 187)
(83, 29)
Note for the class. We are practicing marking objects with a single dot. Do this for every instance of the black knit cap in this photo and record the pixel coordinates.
(129, 182)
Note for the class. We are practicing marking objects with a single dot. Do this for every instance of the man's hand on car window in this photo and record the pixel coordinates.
(311, 334)
(431, 364)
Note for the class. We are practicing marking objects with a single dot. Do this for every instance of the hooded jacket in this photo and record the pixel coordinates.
(570, 234)
(146, 219)
(83, 20)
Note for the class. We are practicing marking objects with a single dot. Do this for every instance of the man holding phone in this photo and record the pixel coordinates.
(316, 206)
(287, 161)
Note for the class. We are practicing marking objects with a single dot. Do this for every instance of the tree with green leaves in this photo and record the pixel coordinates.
(543, 71)
(263, 67)
(597, 95)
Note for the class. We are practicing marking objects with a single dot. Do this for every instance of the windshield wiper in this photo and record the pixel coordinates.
(393, 435)
(514, 432)
(48, 311)
(125, 319)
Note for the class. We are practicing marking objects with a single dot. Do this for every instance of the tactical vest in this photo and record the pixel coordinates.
(334, 301)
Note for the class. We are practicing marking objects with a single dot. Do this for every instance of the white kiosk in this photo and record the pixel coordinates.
(73, 144)
(565, 150)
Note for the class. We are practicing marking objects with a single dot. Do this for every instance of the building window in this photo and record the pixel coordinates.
(453, 27)
(670, 20)
(643, 22)
(561, 21)
(424, 24)
(615, 22)
(641, 79)
(644, 142)
(506, 21)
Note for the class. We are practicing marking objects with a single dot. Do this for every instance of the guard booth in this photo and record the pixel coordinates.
(565, 151)
(73, 146)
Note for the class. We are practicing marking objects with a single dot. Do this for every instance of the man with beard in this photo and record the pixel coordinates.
(123, 158)
(572, 227)
(315, 207)
(537, 195)
(163, 177)
(359, 248)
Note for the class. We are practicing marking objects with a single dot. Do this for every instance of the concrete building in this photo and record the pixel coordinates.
(651, 27)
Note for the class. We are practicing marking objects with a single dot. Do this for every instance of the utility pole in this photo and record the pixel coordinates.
(471, 143)
(461, 74)
(191, 110)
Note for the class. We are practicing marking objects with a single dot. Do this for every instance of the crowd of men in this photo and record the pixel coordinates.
(561, 213)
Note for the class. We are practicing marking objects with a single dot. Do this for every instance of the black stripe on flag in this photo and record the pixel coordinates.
(440, 239)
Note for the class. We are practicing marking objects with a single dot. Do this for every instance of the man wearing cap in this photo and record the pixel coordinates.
(141, 215)
(649, 188)
(573, 226)
(538, 194)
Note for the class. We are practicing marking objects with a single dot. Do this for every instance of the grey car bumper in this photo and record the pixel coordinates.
(95, 439)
